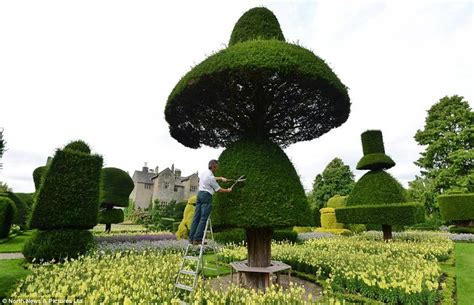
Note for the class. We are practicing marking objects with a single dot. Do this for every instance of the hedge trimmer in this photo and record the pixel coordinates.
(240, 179)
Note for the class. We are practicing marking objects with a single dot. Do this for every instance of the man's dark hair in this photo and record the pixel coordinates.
(212, 162)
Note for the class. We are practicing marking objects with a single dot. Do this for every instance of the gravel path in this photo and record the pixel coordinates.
(12, 255)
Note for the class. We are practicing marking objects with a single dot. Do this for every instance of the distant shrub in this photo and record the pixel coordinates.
(22, 209)
(7, 215)
(457, 207)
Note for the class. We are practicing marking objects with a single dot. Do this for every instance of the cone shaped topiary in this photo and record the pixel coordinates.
(115, 188)
(377, 197)
(253, 97)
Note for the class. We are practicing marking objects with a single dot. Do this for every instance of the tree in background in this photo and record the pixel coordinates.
(2, 146)
(422, 190)
(7, 215)
(378, 198)
(66, 205)
(115, 188)
(22, 210)
(336, 179)
(448, 134)
(255, 96)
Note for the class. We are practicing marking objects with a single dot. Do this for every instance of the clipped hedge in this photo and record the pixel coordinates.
(285, 235)
(7, 215)
(57, 244)
(375, 161)
(457, 229)
(328, 219)
(111, 216)
(116, 186)
(69, 194)
(238, 236)
(389, 214)
(27, 198)
(38, 175)
(272, 195)
(376, 187)
(256, 23)
(22, 209)
(78, 145)
(454, 207)
(336, 201)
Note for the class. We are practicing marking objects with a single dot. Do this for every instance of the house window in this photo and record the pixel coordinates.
(175, 188)
(166, 185)
(193, 188)
(148, 186)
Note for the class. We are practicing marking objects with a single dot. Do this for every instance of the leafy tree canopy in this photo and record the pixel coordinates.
(336, 179)
(449, 138)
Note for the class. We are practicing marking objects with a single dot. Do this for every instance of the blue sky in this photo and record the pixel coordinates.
(102, 70)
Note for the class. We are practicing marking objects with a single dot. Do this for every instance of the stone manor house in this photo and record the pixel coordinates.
(164, 186)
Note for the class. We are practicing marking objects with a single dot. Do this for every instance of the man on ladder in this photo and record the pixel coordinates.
(207, 186)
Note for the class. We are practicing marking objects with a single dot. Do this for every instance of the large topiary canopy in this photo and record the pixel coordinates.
(259, 85)
(115, 187)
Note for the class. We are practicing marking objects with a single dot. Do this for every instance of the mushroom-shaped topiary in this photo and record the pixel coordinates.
(115, 188)
(377, 197)
(253, 97)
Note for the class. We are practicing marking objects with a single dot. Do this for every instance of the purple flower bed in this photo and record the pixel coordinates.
(134, 238)
(142, 245)
(315, 235)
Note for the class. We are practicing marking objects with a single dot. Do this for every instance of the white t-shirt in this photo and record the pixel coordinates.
(207, 182)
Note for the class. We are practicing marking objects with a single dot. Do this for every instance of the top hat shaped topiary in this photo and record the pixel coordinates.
(374, 152)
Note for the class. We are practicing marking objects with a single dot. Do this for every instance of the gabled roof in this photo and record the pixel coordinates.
(142, 177)
(187, 177)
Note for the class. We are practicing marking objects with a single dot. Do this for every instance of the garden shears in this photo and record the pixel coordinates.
(240, 179)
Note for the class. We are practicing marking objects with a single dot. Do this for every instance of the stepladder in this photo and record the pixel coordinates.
(193, 263)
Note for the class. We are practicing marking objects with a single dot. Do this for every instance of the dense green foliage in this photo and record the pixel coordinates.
(69, 194)
(237, 236)
(57, 244)
(262, 87)
(336, 179)
(448, 137)
(38, 175)
(376, 187)
(256, 23)
(374, 152)
(22, 210)
(116, 186)
(111, 216)
(79, 145)
(389, 214)
(272, 195)
(2, 146)
(7, 215)
(422, 190)
(337, 201)
(455, 207)
(27, 198)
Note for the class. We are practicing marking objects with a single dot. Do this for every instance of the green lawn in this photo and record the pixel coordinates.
(11, 272)
(16, 243)
(465, 273)
(210, 261)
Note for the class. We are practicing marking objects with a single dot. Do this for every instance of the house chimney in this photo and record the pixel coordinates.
(177, 173)
(172, 168)
(156, 170)
(145, 168)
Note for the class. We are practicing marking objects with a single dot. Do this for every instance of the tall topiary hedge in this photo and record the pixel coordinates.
(115, 188)
(67, 201)
(37, 176)
(7, 215)
(253, 97)
(458, 208)
(377, 198)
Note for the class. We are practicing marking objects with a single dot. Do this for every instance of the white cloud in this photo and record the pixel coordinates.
(102, 71)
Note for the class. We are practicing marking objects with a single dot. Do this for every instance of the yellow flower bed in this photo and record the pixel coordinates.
(135, 278)
(396, 272)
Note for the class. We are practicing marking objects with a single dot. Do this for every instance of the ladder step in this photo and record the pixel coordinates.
(188, 272)
(193, 258)
(184, 287)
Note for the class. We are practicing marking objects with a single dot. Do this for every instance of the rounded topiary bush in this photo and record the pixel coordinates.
(267, 198)
(37, 176)
(457, 207)
(336, 201)
(22, 209)
(328, 219)
(376, 187)
(115, 188)
(57, 244)
(79, 145)
(7, 215)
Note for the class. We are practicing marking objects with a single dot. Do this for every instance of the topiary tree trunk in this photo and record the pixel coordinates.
(259, 254)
